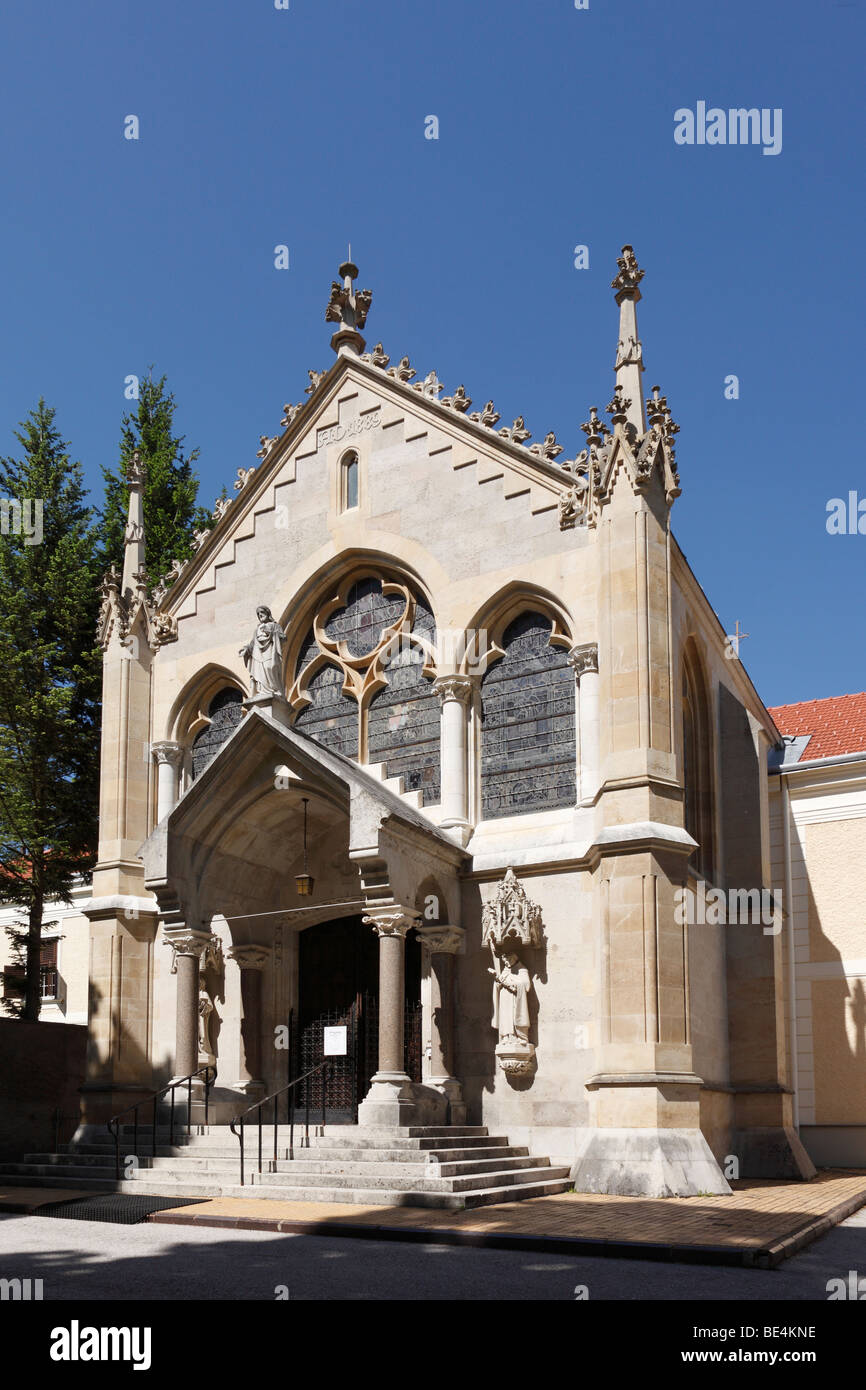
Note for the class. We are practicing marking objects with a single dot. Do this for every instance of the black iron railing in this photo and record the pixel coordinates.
(113, 1125)
(290, 1113)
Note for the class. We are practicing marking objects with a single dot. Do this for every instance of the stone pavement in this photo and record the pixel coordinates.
(762, 1224)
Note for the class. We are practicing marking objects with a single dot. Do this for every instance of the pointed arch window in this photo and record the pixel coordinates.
(528, 759)
(225, 712)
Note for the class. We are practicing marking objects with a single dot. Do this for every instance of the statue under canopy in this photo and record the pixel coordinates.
(263, 654)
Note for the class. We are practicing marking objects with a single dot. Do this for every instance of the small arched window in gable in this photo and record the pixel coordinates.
(225, 712)
(349, 481)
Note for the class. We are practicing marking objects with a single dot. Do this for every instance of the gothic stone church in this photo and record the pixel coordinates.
(425, 743)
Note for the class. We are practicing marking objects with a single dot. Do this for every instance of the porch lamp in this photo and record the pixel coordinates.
(304, 882)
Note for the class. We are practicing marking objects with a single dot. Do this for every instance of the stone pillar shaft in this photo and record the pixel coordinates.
(390, 1099)
(252, 961)
(168, 757)
(454, 692)
(392, 947)
(440, 945)
(584, 662)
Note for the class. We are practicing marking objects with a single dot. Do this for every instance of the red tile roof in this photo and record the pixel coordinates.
(837, 725)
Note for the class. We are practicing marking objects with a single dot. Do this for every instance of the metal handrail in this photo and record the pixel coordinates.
(113, 1125)
(259, 1106)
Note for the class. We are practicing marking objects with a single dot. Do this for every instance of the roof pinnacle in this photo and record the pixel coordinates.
(348, 307)
(629, 352)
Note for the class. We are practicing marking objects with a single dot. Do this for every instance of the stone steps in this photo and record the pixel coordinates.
(420, 1165)
(455, 1201)
(316, 1156)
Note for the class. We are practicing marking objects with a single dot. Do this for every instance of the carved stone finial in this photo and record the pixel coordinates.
(403, 371)
(289, 413)
(594, 428)
(135, 469)
(618, 408)
(548, 449)
(459, 401)
(267, 443)
(315, 381)
(516, 433)
(377, 358)
(431, 386)
(244, 474)
(220, 507)
(349, 308)
(656, 409)
(488, 417)
(628, 277)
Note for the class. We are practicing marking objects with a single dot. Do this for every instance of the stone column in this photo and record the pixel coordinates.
(440, 945)
(390, 1099)
(584, 662)
(168, 757)
(252, 961)
(454, 692)
(188, 946)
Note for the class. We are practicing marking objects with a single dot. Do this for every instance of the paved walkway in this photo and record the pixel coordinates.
(760, 1225)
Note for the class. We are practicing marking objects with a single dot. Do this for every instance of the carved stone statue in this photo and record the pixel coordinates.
(263, 654)
(510, 920)
(511, 989)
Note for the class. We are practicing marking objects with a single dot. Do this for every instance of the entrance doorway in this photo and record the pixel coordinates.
(338, 985)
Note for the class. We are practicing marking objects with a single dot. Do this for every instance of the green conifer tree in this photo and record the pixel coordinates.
(50, 675)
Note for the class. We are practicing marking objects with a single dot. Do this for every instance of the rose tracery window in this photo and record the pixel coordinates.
(363, 681)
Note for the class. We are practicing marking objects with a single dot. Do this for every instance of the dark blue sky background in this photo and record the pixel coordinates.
(306, 127)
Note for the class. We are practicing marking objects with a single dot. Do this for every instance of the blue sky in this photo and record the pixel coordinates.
(305, 127)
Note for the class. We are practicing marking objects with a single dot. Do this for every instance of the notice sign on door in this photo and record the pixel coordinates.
(335, 1041)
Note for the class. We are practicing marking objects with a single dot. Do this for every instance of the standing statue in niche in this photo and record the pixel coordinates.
(263, 654)
(511, 923)
(511, 986)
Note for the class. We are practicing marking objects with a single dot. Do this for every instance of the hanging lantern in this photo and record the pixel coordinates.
(304, 882)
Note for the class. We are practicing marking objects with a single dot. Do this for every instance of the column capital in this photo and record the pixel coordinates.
(584, 659)
(167, 751)
(442, 940)
(187, 941)
(391, 921)
(453, 687)
(250, 957)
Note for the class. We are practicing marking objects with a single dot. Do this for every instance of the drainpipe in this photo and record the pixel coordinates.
(792, 967)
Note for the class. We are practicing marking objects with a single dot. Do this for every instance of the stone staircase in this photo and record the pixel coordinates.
(455, 1167)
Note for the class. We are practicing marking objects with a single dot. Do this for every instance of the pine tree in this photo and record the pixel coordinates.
(171, 516)
(50, 674)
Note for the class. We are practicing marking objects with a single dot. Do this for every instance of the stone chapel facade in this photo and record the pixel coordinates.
(503, 737)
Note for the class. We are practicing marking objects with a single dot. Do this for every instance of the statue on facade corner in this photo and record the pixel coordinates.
(263, 654)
